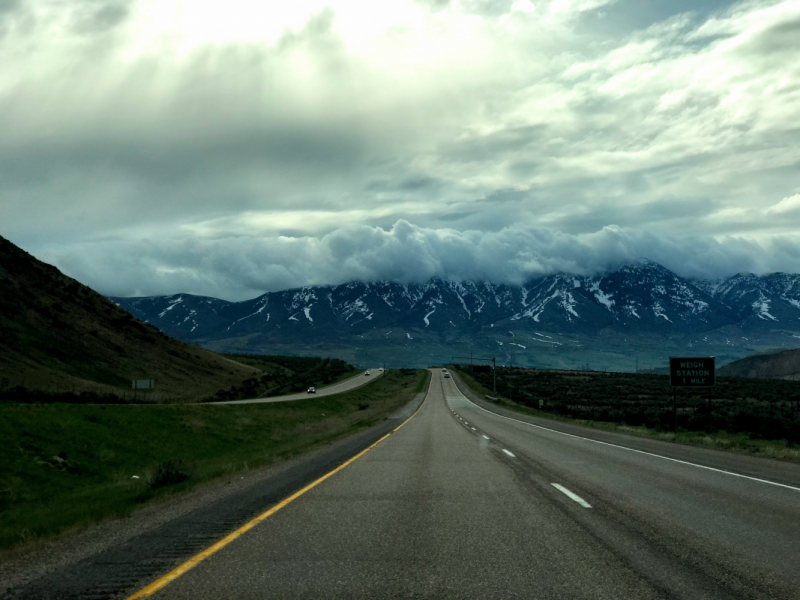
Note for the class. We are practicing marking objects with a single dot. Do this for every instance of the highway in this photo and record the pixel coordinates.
(351, 383)
(459, 502)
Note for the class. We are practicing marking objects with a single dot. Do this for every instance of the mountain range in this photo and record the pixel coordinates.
(640, 309)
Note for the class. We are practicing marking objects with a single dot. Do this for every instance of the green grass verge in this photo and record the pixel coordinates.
(66, 465)
(719, 440)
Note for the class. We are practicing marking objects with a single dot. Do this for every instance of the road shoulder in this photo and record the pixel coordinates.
(752, 466)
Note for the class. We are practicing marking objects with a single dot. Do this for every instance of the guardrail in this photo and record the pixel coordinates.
(492, 398)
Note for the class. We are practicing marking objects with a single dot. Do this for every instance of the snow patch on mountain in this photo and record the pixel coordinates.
(351, 308)
(761, 306)
(172, 305)
(463, 304)
(630, 309)
(658, 311)
(606, 300)
(263, 306)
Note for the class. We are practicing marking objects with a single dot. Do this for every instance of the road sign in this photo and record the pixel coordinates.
(692, 372)
(143, 384)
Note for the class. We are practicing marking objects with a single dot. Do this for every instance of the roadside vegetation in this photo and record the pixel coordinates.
(753, 415)
(272, 376)
(67, 465)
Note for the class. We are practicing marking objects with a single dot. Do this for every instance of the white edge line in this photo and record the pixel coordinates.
(572, 495)
(509, 453)
(683, 462)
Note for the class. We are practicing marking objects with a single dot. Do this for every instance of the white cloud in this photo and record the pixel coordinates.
(787, 205)
(162, 119)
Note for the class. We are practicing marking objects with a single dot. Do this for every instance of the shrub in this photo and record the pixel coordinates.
(168, 472)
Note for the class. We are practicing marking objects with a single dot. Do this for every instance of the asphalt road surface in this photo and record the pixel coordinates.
(464, 503)
(337, 388)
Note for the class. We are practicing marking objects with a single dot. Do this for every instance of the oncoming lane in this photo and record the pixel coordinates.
(347, 385)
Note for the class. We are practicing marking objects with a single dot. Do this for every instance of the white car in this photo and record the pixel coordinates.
(447, 375)
(367, 373)
(444, 370)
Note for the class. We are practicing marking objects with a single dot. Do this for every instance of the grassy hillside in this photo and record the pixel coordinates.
(775, 365)
(59, 335)
(51, 479)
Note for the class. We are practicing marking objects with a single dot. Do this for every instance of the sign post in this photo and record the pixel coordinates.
(142, 384)
(692, 372)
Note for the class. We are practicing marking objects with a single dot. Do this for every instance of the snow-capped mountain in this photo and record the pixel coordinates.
(642, 297)
(766, 300)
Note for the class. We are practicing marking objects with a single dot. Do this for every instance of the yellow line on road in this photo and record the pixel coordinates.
(197, 559)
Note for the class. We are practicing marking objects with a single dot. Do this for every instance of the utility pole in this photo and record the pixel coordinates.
(675, 410)
(494, 375)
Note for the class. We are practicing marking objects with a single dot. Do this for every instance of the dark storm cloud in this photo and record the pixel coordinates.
(99, 16)
(241, 267)
(8, 6)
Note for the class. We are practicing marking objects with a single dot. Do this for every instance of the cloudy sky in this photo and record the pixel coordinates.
(231, 148)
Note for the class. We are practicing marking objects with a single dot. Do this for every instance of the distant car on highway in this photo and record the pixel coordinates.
(312, 390)
(447, 375)
(444, 370)
(367, 373)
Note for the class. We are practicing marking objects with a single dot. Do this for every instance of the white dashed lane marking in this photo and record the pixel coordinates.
(572, 495)
(511, 455)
